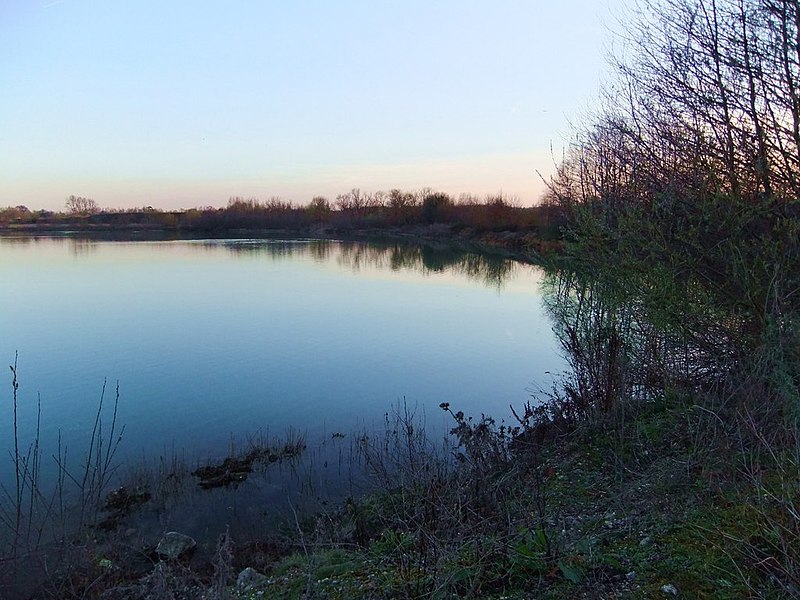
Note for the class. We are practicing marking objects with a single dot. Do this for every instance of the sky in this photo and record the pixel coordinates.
(177, 104)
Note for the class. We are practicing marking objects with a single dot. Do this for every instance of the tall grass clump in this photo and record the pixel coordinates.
(40, 520)
(446, 518)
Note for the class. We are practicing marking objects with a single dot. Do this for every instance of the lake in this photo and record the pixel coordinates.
(211, 340)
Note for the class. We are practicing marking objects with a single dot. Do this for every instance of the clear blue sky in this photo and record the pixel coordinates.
(176, 104)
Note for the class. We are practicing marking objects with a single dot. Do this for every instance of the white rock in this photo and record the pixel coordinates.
(669, 589)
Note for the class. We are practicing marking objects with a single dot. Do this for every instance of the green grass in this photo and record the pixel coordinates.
(616, 531)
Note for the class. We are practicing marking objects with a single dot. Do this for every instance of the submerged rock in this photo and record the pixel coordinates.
(120, 503)
(175, 545)
(123, 501)
(236, 469)
(230, 472)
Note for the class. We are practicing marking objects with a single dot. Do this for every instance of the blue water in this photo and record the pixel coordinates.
(210, 339)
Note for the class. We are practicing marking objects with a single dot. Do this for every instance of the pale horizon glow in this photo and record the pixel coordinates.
(184, 104)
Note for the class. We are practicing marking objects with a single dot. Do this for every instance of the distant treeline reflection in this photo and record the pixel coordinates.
(490, 270)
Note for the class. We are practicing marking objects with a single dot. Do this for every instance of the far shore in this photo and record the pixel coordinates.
(524, 245)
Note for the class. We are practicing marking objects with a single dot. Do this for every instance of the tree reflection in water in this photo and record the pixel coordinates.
(490, 270)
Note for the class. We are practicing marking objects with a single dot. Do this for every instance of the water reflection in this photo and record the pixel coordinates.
(490, 270)
(426, 258)
(81, 247)
(195, 315)
(275, 249)
(621, 346)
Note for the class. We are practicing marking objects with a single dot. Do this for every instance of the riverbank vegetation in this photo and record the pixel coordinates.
(496, 219)
(682, 256)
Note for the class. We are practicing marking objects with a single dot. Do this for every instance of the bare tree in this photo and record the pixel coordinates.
(706, 102)
(78, 205)
(319, 208)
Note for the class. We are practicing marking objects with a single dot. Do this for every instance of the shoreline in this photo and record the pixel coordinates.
(524, 246)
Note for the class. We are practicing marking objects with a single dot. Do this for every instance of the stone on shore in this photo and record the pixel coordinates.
(250, 578)
(175, 545)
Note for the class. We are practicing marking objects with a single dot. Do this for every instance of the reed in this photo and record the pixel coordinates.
(39, 519)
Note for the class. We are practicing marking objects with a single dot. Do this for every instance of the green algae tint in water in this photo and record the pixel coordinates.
(214, 338)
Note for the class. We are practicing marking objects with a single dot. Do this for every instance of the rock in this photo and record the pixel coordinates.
(669, 589)
(250, 578)
(122, 501)
(175, 545)
(119, 504)
(630, 575)
(231, 471)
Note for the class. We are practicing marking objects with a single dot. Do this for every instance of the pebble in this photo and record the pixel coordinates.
(669, 589)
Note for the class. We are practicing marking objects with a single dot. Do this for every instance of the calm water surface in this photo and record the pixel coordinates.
(210, 339)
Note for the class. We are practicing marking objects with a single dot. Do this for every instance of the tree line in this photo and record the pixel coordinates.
(353, 210)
